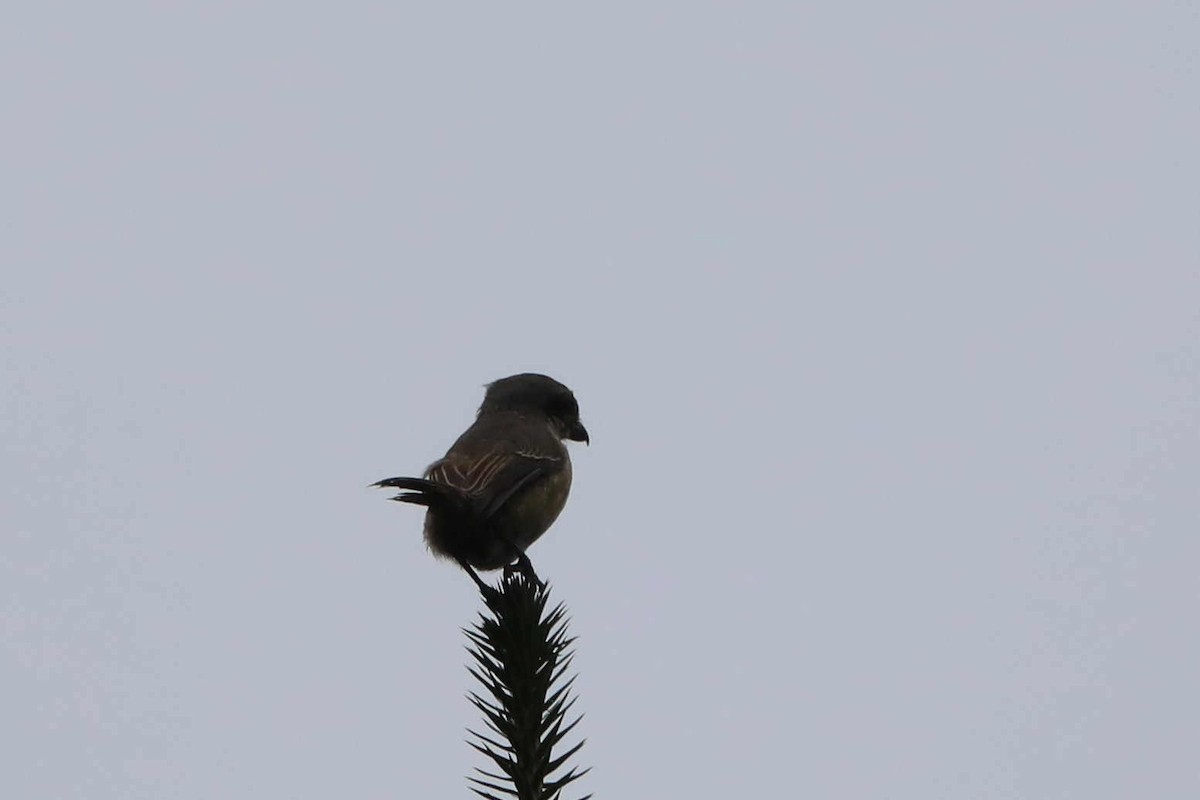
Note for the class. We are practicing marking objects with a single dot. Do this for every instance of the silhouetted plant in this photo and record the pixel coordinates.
(521, 655)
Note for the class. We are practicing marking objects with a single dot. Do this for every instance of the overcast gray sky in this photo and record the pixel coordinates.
(883, 318)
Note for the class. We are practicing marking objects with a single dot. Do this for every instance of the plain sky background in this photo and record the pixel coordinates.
(883, 318)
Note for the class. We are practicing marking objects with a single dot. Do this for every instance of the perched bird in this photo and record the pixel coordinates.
(505, 480)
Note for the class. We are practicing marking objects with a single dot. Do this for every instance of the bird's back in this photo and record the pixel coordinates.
(517, 474)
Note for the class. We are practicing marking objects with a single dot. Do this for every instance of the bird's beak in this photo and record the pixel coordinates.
(578, 433)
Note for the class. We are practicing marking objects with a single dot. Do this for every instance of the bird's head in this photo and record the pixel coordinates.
(530, 392)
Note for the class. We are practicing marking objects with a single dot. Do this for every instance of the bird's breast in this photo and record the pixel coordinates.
(535, 509)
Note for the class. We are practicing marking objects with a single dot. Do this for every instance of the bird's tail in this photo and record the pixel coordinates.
(422, 492)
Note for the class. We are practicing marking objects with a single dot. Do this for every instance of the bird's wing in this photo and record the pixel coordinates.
(492, 477)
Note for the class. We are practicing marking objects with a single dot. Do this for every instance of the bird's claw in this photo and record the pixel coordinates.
(525, 567)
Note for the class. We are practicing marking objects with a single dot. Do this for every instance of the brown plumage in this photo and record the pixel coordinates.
(505, 480)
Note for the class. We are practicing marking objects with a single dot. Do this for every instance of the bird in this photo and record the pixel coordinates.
(504, 481)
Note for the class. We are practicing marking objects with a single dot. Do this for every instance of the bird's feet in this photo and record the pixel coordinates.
(525, 567)
(484, 589)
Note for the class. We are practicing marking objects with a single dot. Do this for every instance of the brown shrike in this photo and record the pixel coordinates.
(505, 480)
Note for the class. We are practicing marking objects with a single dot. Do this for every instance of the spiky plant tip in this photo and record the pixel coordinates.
(521, 653)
